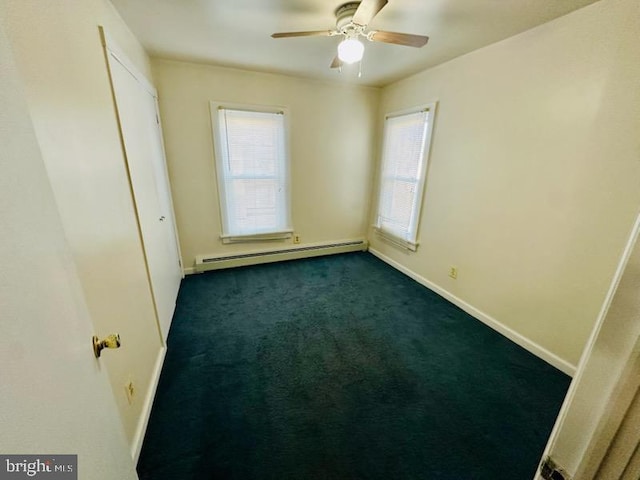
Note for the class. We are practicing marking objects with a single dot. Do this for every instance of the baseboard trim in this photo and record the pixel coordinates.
(488, 320)
(138, 438)
(189, 270)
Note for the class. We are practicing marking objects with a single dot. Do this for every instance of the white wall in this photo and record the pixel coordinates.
(332, 127)
(45, 328)
(533, 182)
(61, 61)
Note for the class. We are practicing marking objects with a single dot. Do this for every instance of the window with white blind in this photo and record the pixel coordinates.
(405, 152)
(252, 169)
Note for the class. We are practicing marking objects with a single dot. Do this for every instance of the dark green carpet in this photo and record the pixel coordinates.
(341, 367)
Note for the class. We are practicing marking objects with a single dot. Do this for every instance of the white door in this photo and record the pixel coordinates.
(596, 434)
(620, 436)
(54, 395)
(142, 138)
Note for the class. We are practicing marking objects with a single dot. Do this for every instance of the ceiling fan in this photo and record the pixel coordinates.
(352, 20)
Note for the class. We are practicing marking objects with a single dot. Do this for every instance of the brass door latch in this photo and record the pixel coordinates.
(112, 341)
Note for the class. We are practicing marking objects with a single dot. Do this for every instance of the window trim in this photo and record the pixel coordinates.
(281, 233)
(413, 242)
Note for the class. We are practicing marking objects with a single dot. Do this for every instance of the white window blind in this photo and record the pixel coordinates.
(252, 172)
(406, 138)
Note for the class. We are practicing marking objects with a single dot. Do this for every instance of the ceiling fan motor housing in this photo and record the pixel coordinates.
(344, 14)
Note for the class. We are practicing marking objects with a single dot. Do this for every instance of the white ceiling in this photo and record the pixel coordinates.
(236, 33)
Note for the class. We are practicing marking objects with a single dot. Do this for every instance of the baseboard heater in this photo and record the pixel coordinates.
(215, 262)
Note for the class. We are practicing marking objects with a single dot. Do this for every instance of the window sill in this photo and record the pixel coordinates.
(259, 237)
(396, 241)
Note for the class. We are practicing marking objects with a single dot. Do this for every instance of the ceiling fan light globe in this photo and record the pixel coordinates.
(350, 50)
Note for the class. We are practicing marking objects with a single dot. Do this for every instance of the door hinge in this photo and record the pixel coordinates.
(550, 470)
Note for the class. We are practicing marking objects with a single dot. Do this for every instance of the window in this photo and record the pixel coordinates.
(405, 153)
(252, 168)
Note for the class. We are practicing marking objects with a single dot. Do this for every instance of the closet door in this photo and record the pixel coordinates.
(142, 140)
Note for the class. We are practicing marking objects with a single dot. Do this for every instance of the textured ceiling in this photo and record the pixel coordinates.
(237, 33)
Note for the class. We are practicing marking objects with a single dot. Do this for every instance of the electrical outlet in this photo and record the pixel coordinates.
(296, 238)
(130, 390)
(453, 272)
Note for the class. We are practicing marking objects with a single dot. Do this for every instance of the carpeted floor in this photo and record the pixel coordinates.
(341, 367)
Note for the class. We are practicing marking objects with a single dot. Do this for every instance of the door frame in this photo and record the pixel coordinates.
(112, 52)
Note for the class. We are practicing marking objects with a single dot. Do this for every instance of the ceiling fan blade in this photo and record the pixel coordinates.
(316, 33)
(337, 63)
(367, 10)
(405, 39)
